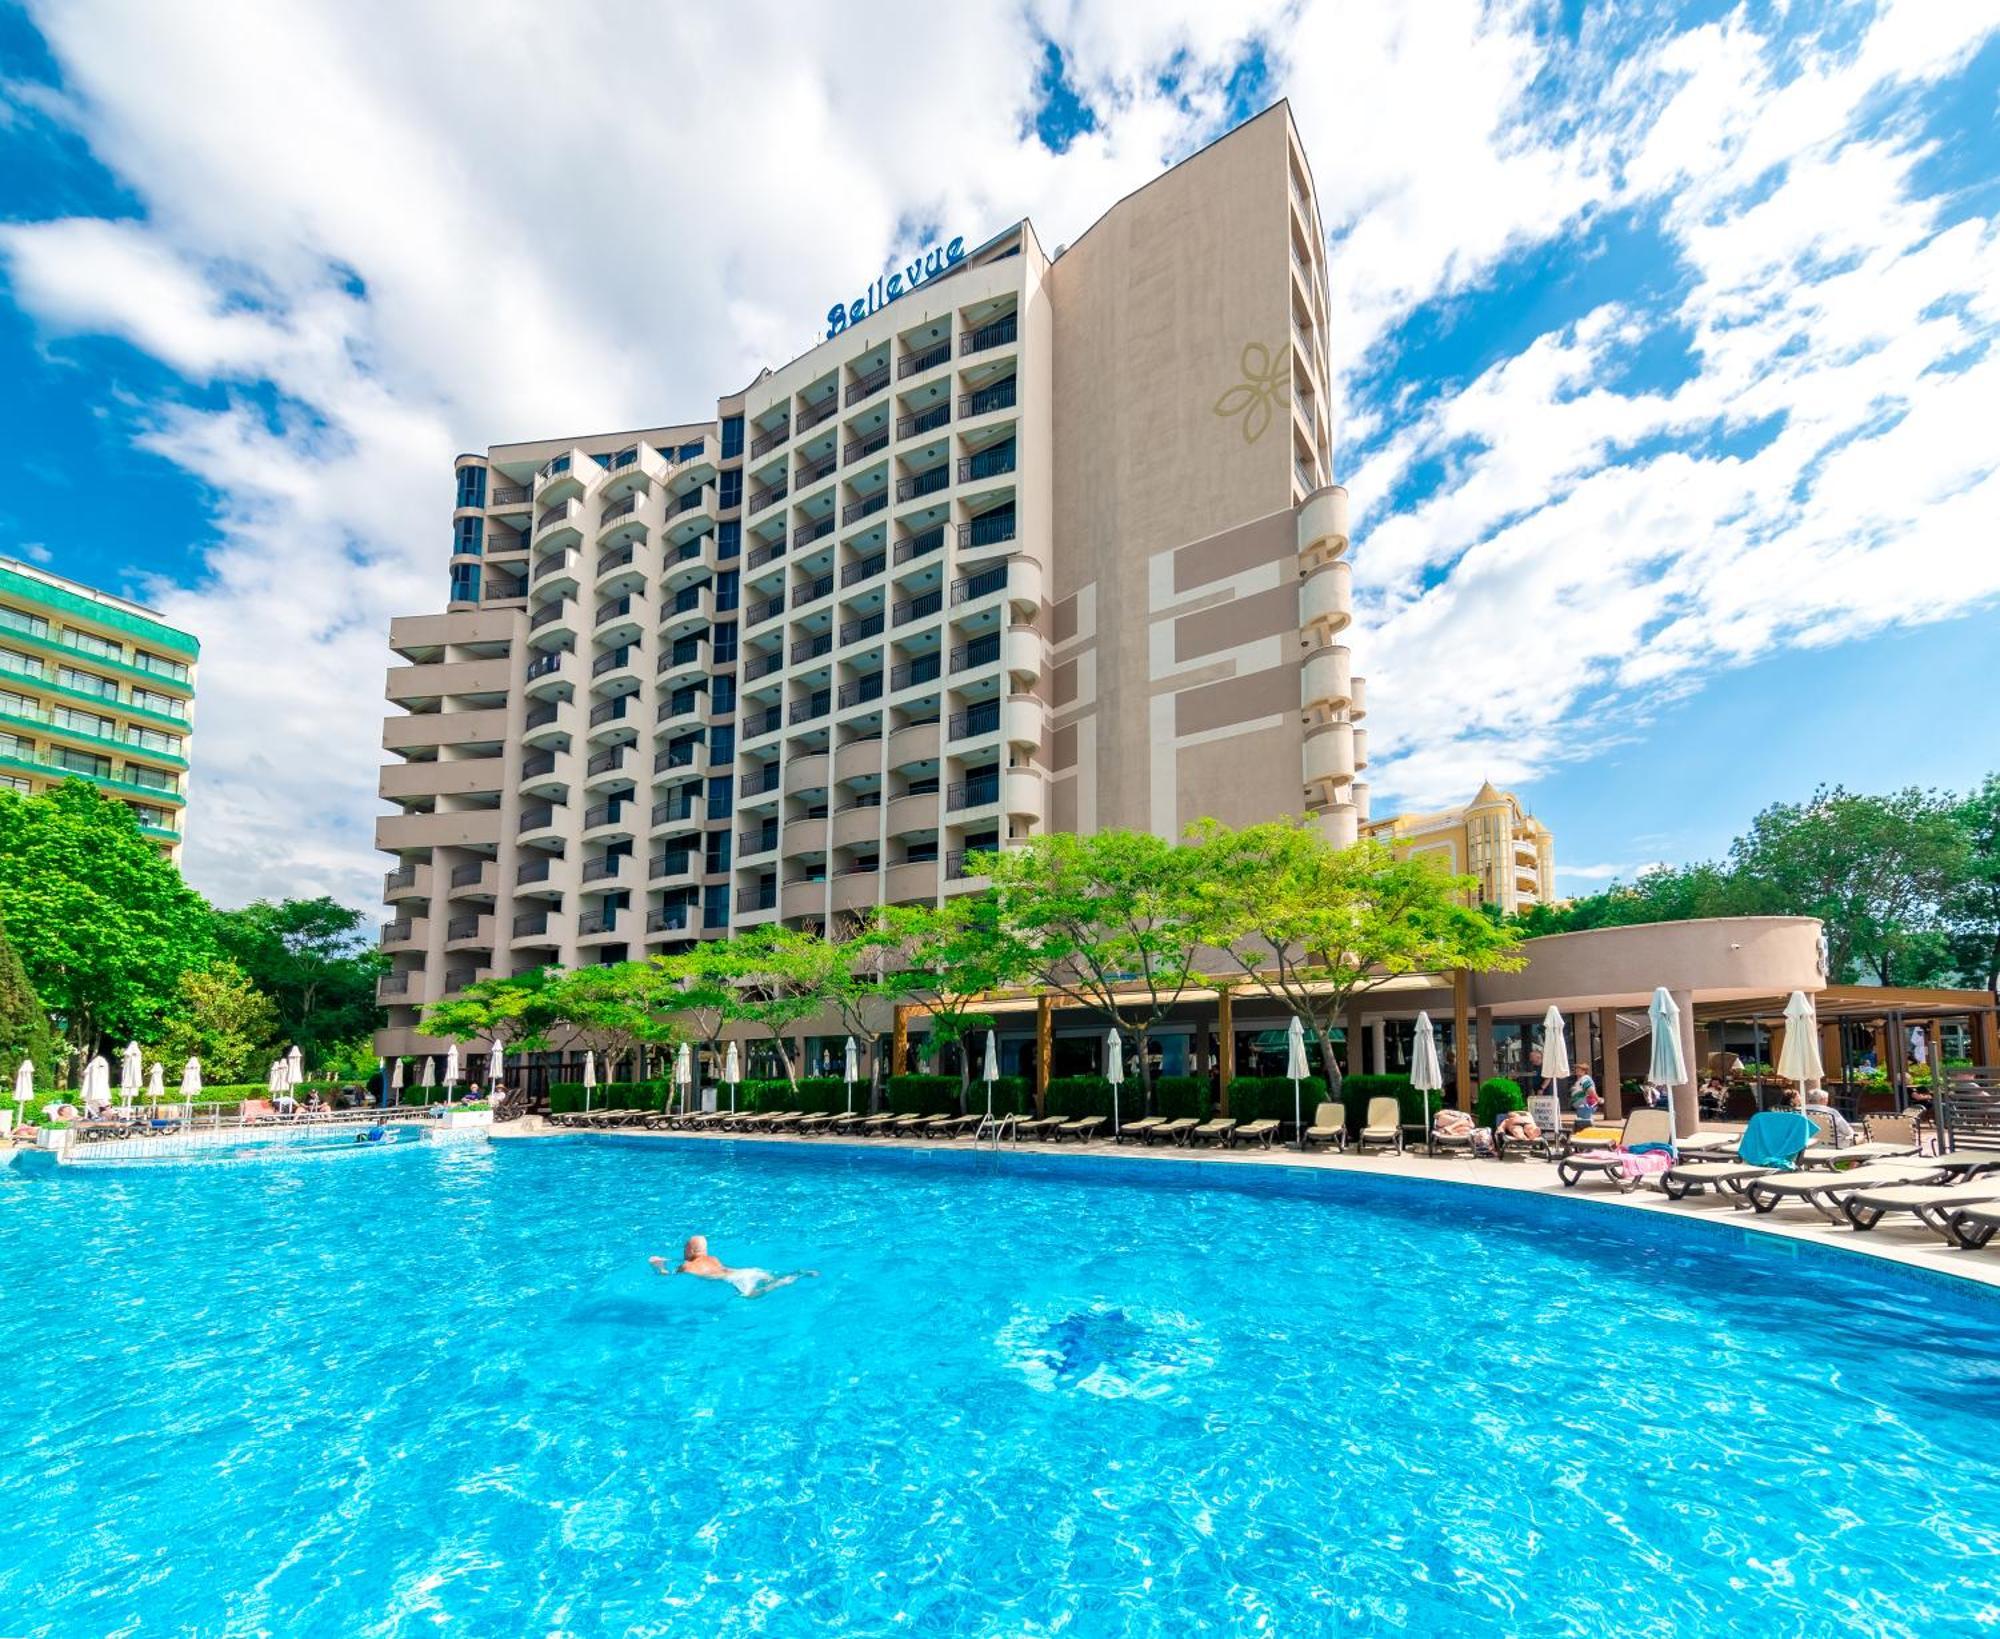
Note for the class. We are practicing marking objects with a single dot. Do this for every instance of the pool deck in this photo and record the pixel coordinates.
(1900, 1239)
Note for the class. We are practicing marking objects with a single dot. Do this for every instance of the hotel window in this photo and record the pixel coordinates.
(153, 779)
(14, 782)
(467, 534)
(726, 595)
(472, 486)
(715, 905)
(732, 436)
(87, 683)
(722, 743)
(722, 694)
(728, 539)
(166, 705)
(719, 788)
(153, 740)
(19, 705)
(465, 582)
(689, 452)
(83, 722)
(15, 745)
(87, 643)
(20, 665)
(19, 620)
(729, 488)
(81, 762)
(715, 852)
(160, 666)
(723, 638)
(159, 819)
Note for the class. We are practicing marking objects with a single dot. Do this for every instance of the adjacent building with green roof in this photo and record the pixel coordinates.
(98, 688)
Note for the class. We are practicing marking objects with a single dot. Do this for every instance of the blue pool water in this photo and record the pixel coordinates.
(440, 1393)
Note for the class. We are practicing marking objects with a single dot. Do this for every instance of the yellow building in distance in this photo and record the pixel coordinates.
(1491, 837)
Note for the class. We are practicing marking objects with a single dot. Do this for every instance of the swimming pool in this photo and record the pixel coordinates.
(439, 1391)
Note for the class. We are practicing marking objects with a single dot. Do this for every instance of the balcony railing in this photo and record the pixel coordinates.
(912, 672)
(612, 660)
(865, 569)
(603, 870)
(755, 785)
(552, 515)
(924, 483)
(997, 334)
(462, 927)
(923, 421)
(758, 613)
(547, 613)
(811, 648)
(763, 897)
(920, 545)
(980, 719)
(506, 495)
(393, 984)
(603, 813)
(804, 592)
(765, 443)
(527, 922)
(532, 870)
(541, 714)
(867, 386)
(861, 690)
(688, 502)
(682, 753)
(617, 510)
(397, 933)
(853, 631)
(857, 510)
(981, 652)
(989, 530)
(608, 711)
(810, 709)
(685, 652)
(767, 721)
(538, 763)
(811, 415)
(464, 876)
(987, 463)
(757, 842)
(930, 358)
(549, 562)
(811, 472)
(616, 558)
(538, 818)
(673, 862)
(673, 810)
(980, 585)
(1000, 396)
(403, 876)
(668, 919)
(542, 665)
(605, 761)
(762, 498)
(460, 978)
(612, 608)
(766, 552)
(972, 793)
(928, 603)
(762, 665)
(594, 922)
(861, 448)
(806, 534)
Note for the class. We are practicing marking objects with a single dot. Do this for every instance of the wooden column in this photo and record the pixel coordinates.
(1044, 1043)
(1225, 1048)
(1461, 1036)
(1610, 1084)
(1487, 1064)
(899, 1049)
(1986, 1039)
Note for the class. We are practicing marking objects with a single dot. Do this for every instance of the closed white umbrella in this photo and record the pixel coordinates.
(191, 1085)
(156, 1085)
(1295, 1067)
(1114, 1072)
(1555, 1046)
(496, 1067)
(1426, 1071)
(1668, 1066)
(274, 1078)
(24, 1088)
(589, 1075)
(130, 1072)
(450, 1070)
(396, 1081)
(1798, 1053)
(990, 1074)
(429, 1077)
(295, 1067)
(684, 1074)
(732, 1073)
(851, 1072)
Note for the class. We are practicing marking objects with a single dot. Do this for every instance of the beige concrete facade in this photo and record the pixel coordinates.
(1492, 837)
(1041, 543)
(97, 688)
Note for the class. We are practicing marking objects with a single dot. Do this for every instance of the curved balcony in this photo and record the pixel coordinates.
(683, 760)
(857, 890)
(1329, 760)
(1322, 527)
(619, 621)
(914, 882)
(618, 571)
(1021, 651)
(552, 675)
(1023, 795)
(536, 877)
(553, 623)
(913, 815)
(605, 927)
(559, 525)
(857, 760)
(411, 933)
(1325, 683)
(634, 471)
(609, 770)
(802, 899)
(475, 879)
(611, 822)
(690, 610)
(1360, 749)
(472, 931)
(406, 882)
(541, 826)
(806, 773)
(856, 825)
(674, 868)
(543, 728)
(691, 514)
(1357, 704)
(758, 788)
(612, 722)
(1023, 720)
(915, 743)
(554, 574)
(804, 837)
(617, 672)
(562, 478)
(1326, 600)
(530, 928)
(1339, 823)
(622, 522)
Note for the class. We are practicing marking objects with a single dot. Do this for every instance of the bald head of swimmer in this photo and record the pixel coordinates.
(697, 1247)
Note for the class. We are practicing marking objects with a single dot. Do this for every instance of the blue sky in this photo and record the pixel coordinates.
(1663, 336)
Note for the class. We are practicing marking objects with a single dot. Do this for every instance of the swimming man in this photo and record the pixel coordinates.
(749, 1283)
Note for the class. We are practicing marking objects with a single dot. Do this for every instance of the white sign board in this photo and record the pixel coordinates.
(1545, 1110)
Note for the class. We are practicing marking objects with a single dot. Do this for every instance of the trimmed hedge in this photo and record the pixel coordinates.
(1269, 1098)
(939, 1095)
(1079, 1096)
(1496, 1097)
(568, 1096)
(1176, 1096)
(1412, 1108)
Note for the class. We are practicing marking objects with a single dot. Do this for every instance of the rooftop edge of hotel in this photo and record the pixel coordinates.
(88, 603)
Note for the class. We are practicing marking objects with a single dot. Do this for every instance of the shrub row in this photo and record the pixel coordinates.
(939, 1095)
(567, 1096)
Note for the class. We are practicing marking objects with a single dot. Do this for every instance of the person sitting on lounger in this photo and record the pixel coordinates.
(1516, 1127)
(749, 1283)
(1836, 1127)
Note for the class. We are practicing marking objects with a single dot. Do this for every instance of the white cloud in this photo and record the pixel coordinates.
(388, 239)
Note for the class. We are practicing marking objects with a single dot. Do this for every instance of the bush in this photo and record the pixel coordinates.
(1356, 1091)
(923, 1095)
(1269, 1098)
(1078, 1096)
(568, 1096)
(1176, 1096)
(1496, 1097)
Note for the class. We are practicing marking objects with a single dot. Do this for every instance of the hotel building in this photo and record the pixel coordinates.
(1032, 541)
(1492, 837)
(96, 688)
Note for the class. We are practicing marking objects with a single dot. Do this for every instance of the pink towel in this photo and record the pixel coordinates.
(1646, 1165)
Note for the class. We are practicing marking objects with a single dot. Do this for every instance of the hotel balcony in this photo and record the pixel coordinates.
(993, 399)
(410, 933)
(395, 988)
(561, 478)
(559, 525)
(409, 881)
(620, 523)
(554, 574)
(607, 871)
(554, 623)
(618, 572)
(474, 880)
(466, 828)
(530, 928)
(535, 878)
(998, 332)
(426, 687)
(552, 676)
(472, 931)
(431, 730)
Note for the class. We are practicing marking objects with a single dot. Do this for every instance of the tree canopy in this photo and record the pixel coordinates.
(313, 959)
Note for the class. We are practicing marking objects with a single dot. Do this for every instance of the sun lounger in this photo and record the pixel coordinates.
(1042, 1127)
(1973, 1226)
(1213, 1132)
(1772, 1142)
(815, 1123)
(1083, 1129)
(1383, 1127)
(1256, 1132)
(1641, 1127)
(1173, 1132)
(1136, 1131)
(1329, 1127)
(1705, 1145)
(1932, 1206)
(1824, 1190)
(1887, 1138)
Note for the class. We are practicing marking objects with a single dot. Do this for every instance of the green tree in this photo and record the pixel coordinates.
(951, 957)
(1972, 904)
(24, 1025)
(1673, 893)
(1875, 871)
(778, 978)
(1315, 927)
(518, 1012)
(610, 1010)
(1112, 922)
(313, 958)
(102, 922)
(221, 1018)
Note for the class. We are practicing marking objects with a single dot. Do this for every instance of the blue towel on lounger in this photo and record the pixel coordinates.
(1774, 1138)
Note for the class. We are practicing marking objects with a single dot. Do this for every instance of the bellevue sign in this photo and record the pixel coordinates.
(938, 259)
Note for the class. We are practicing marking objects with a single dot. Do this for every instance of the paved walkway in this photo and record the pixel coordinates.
(1897, 1240)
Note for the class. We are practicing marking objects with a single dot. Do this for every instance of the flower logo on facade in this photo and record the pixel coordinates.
(1266, 382)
